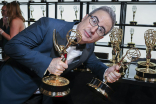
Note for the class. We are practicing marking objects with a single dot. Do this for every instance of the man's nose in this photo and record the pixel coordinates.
(94, 28)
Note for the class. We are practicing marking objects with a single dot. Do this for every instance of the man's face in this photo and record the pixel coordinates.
(4, 11)
(89, 32)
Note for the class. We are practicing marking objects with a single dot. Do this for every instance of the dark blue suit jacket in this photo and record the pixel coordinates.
(30, 53)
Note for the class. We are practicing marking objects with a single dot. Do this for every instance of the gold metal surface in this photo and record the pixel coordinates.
(150, 39)
(115, 39)
(58, 81)
(143, 63)
(54, 94)
(51, 80)
(145, 79)
(143, 70)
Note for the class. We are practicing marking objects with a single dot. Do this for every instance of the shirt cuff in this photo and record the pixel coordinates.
(45, 71)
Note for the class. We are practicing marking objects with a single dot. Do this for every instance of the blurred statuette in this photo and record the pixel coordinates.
(31, 10)
(131, 44)
(134, 0)
(60, 0)
(61, 11)
(114, 0)
(134, 9)
(31, 1)
(76, 0)
(4, 2)
(43, 10)
(43, 1)
(94, 0)
(76, 12)
(93, 7)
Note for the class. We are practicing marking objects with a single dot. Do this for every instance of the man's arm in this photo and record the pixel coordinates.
(24, 47)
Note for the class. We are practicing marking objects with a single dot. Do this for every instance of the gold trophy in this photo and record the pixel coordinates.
(131, 44)
(56, 86)
(76, 11)
(43, 10)
(31, 10)
(146, 73)
(115, 38)
(61, 11)
(134, 9)
(114, 9)
(102, 88)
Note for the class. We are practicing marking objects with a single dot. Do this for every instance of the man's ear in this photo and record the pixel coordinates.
(84, 17)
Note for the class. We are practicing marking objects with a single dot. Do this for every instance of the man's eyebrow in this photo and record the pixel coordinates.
(98, 22)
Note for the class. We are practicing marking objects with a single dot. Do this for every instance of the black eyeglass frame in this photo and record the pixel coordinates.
(96, 24)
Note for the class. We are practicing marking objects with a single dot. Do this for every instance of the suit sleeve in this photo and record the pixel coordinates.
(96, 66)
(21, 47)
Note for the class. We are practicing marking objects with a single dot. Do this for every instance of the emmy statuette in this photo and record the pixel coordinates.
(43, 10)
(76, 0)
(154, 23)
(146, 73)
(43, 1)
(114, 0)
(56, 86)
(60, 0)
(93, 7)
(134, 0)
(4, 2)
(131, 44)
(31, 10)
(31, 1)
(76, 11)
(94, 0)
(115, 38)
(134, 9)
(61, 11)
(102, 88)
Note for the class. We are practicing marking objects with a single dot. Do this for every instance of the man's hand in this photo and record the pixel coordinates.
(112, 74)
(57, 66)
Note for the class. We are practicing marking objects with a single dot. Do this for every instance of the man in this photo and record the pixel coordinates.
(3, 25)
(30, 53)
(3, 21)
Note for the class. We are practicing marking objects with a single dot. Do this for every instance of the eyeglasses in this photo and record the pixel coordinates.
(94, 22)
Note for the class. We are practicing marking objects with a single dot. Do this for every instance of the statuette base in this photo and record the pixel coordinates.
(100, 88)
(32, 19)
(154, 23)
(144, 75)
(55, 86)
(142, 64)
(114, 0)
(131, 45)
(133, 23)
(76, 20)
